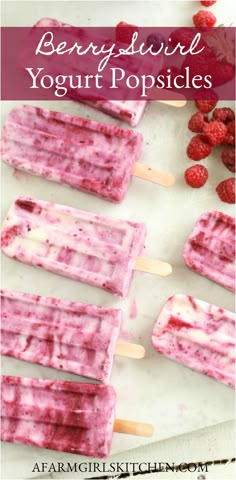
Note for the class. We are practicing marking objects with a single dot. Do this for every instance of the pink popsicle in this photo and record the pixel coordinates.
(57, 415)
(210, 249)
(70, 336)
(78, 244)
(198, 335)
(130, 111)
(84, 154)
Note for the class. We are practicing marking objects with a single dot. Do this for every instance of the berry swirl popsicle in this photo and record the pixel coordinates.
(210, 248)
(81, 245)
(87, 155)
(70, 336)
(66, 416)
(198, 335)
(130, 111)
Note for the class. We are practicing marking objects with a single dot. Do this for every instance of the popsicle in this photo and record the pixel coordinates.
(95, 157)
(70, 336)
(130, 111)
(198, 335)
(210, 248)
(81, 245)
(58, 415)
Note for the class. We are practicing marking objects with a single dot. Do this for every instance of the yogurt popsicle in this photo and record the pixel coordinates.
(81, 245)
(210, 248)
(198, 335)
(57, 415)
(130, 111)
(82, 153)
(66, 416)
(70, 336)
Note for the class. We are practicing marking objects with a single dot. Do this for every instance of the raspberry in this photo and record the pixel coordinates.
(228, 159)
(224, 114)
(229, 140)
(226, 190)
(231, 128)
(215, 132)
(230, 135)
(183, 35)
(204, 19)
(207, 4)
(155, 39)
(197, 122)
(125, 31)
(196, 176)
(198, 148)
(206, 101)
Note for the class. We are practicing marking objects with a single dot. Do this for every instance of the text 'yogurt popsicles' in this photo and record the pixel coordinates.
(84, 246)
(198, 335)
(82, 153)
(66, 416)
(210, 249)
(70, 336)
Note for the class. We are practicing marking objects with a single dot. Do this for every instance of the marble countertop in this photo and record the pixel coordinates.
(175, 399)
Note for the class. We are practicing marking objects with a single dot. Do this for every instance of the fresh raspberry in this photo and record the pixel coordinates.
(224, 114)
(204, 19)
(207, 4)
(231, 128)
(208, 64)
(155, 39)
(229, 139)
(197, 122)
(230, 135)
(215, 132)
(198, 147)
(206, 101)
(183, 35)
(196, 176)
(228, 159)
(226, 190)
(124, 32)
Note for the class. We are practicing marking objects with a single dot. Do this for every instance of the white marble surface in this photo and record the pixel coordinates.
(155, 389)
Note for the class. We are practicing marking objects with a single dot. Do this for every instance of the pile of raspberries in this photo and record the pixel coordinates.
(217, 130)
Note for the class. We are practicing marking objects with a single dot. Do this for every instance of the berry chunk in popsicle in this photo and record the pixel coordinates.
(210, 248)
(198, 335)
(84, 154)
(66, 416)
(70, 336)
(81, 245)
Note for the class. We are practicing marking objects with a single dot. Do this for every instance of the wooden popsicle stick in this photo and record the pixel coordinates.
(130, 350)
(152, 175)
(149, 265)
(133, 428)
(167, 97)
(174, 103)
